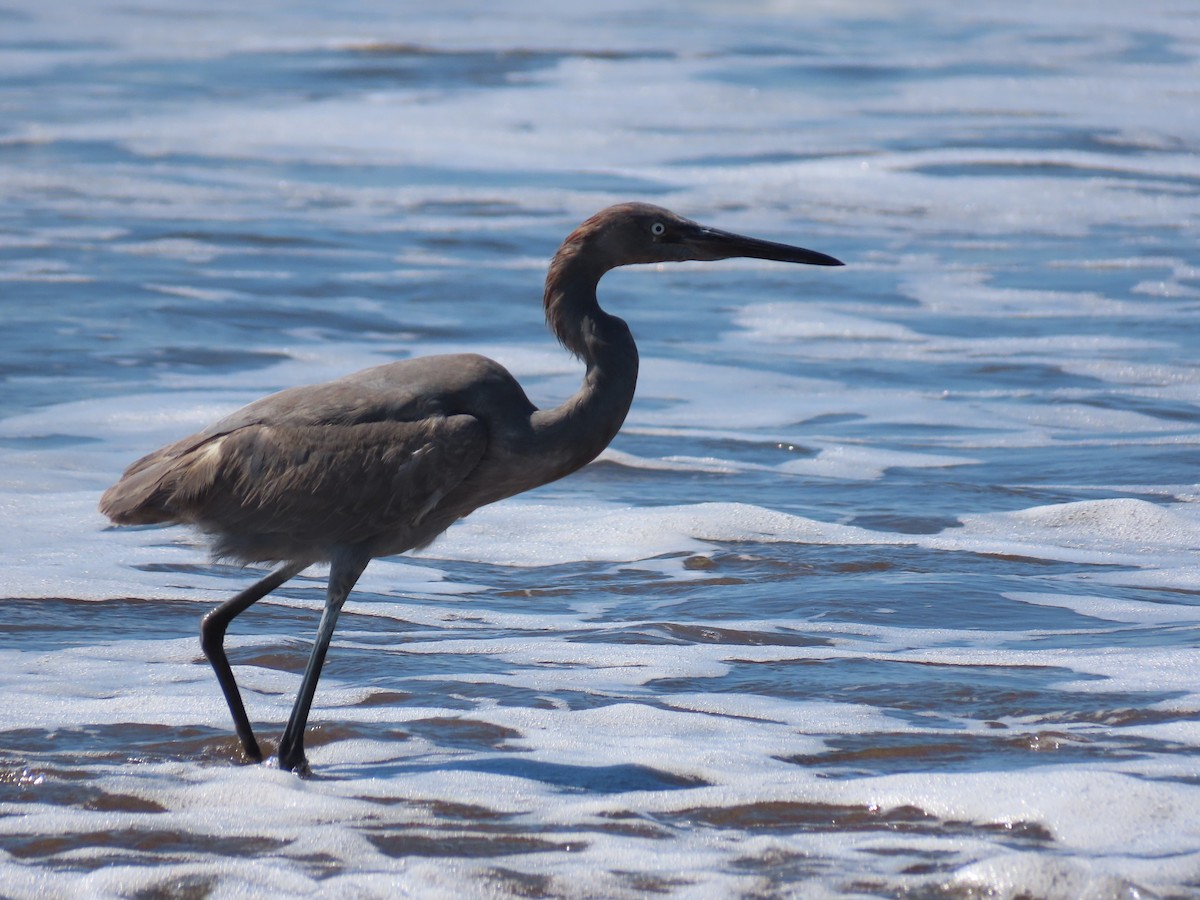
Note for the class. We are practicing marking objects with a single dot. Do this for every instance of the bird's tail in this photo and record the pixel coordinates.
(139, 497)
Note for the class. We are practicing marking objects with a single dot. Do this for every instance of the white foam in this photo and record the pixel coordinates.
(773, 322)
(865, 463)
(940, 183)
(522, 533)
(841, 461)
(968, 292)
(1097, 607)
(1120, 531)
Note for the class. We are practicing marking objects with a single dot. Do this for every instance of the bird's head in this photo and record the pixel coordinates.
(631, 233)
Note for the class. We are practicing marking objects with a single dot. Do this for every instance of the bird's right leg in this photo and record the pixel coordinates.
(212, 641)
(344, 570)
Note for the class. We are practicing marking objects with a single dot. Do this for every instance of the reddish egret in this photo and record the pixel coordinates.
(386, 459)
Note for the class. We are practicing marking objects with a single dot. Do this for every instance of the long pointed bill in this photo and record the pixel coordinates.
(712, 243)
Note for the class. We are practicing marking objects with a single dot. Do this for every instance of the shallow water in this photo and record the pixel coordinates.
(888, 587)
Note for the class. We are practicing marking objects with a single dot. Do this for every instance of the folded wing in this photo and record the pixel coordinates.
(267, 491)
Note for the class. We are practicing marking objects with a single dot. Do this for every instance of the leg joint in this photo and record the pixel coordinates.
(212, 633)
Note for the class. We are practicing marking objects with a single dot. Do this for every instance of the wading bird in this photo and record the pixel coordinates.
(386, 459)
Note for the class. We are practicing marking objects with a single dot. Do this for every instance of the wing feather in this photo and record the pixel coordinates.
(276, 491)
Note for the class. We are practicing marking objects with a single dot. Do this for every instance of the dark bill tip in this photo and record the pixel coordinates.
(816, 258)
(726, 245)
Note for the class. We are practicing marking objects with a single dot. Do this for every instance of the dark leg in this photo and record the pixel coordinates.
(212, 641)
(343, 574)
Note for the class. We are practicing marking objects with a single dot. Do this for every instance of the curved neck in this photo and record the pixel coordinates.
(578, 430)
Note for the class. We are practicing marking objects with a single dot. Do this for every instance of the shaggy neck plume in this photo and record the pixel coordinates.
(596, 411)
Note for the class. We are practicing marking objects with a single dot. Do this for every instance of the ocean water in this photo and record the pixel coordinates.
(888, 588)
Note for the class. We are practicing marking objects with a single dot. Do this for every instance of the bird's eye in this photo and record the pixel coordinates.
(658, 229)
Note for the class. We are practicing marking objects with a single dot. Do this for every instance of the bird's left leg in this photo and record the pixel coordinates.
(343, 574)
(212, 641)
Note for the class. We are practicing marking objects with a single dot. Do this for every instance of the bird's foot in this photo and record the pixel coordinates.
(298, 767)
(292, 759)
(251, 753)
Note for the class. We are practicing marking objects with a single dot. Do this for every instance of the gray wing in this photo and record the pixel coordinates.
(268, 491)
(365, 456)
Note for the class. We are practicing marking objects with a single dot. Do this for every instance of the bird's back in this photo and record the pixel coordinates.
(297, 473)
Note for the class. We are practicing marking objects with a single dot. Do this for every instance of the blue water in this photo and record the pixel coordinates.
(887, 588)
